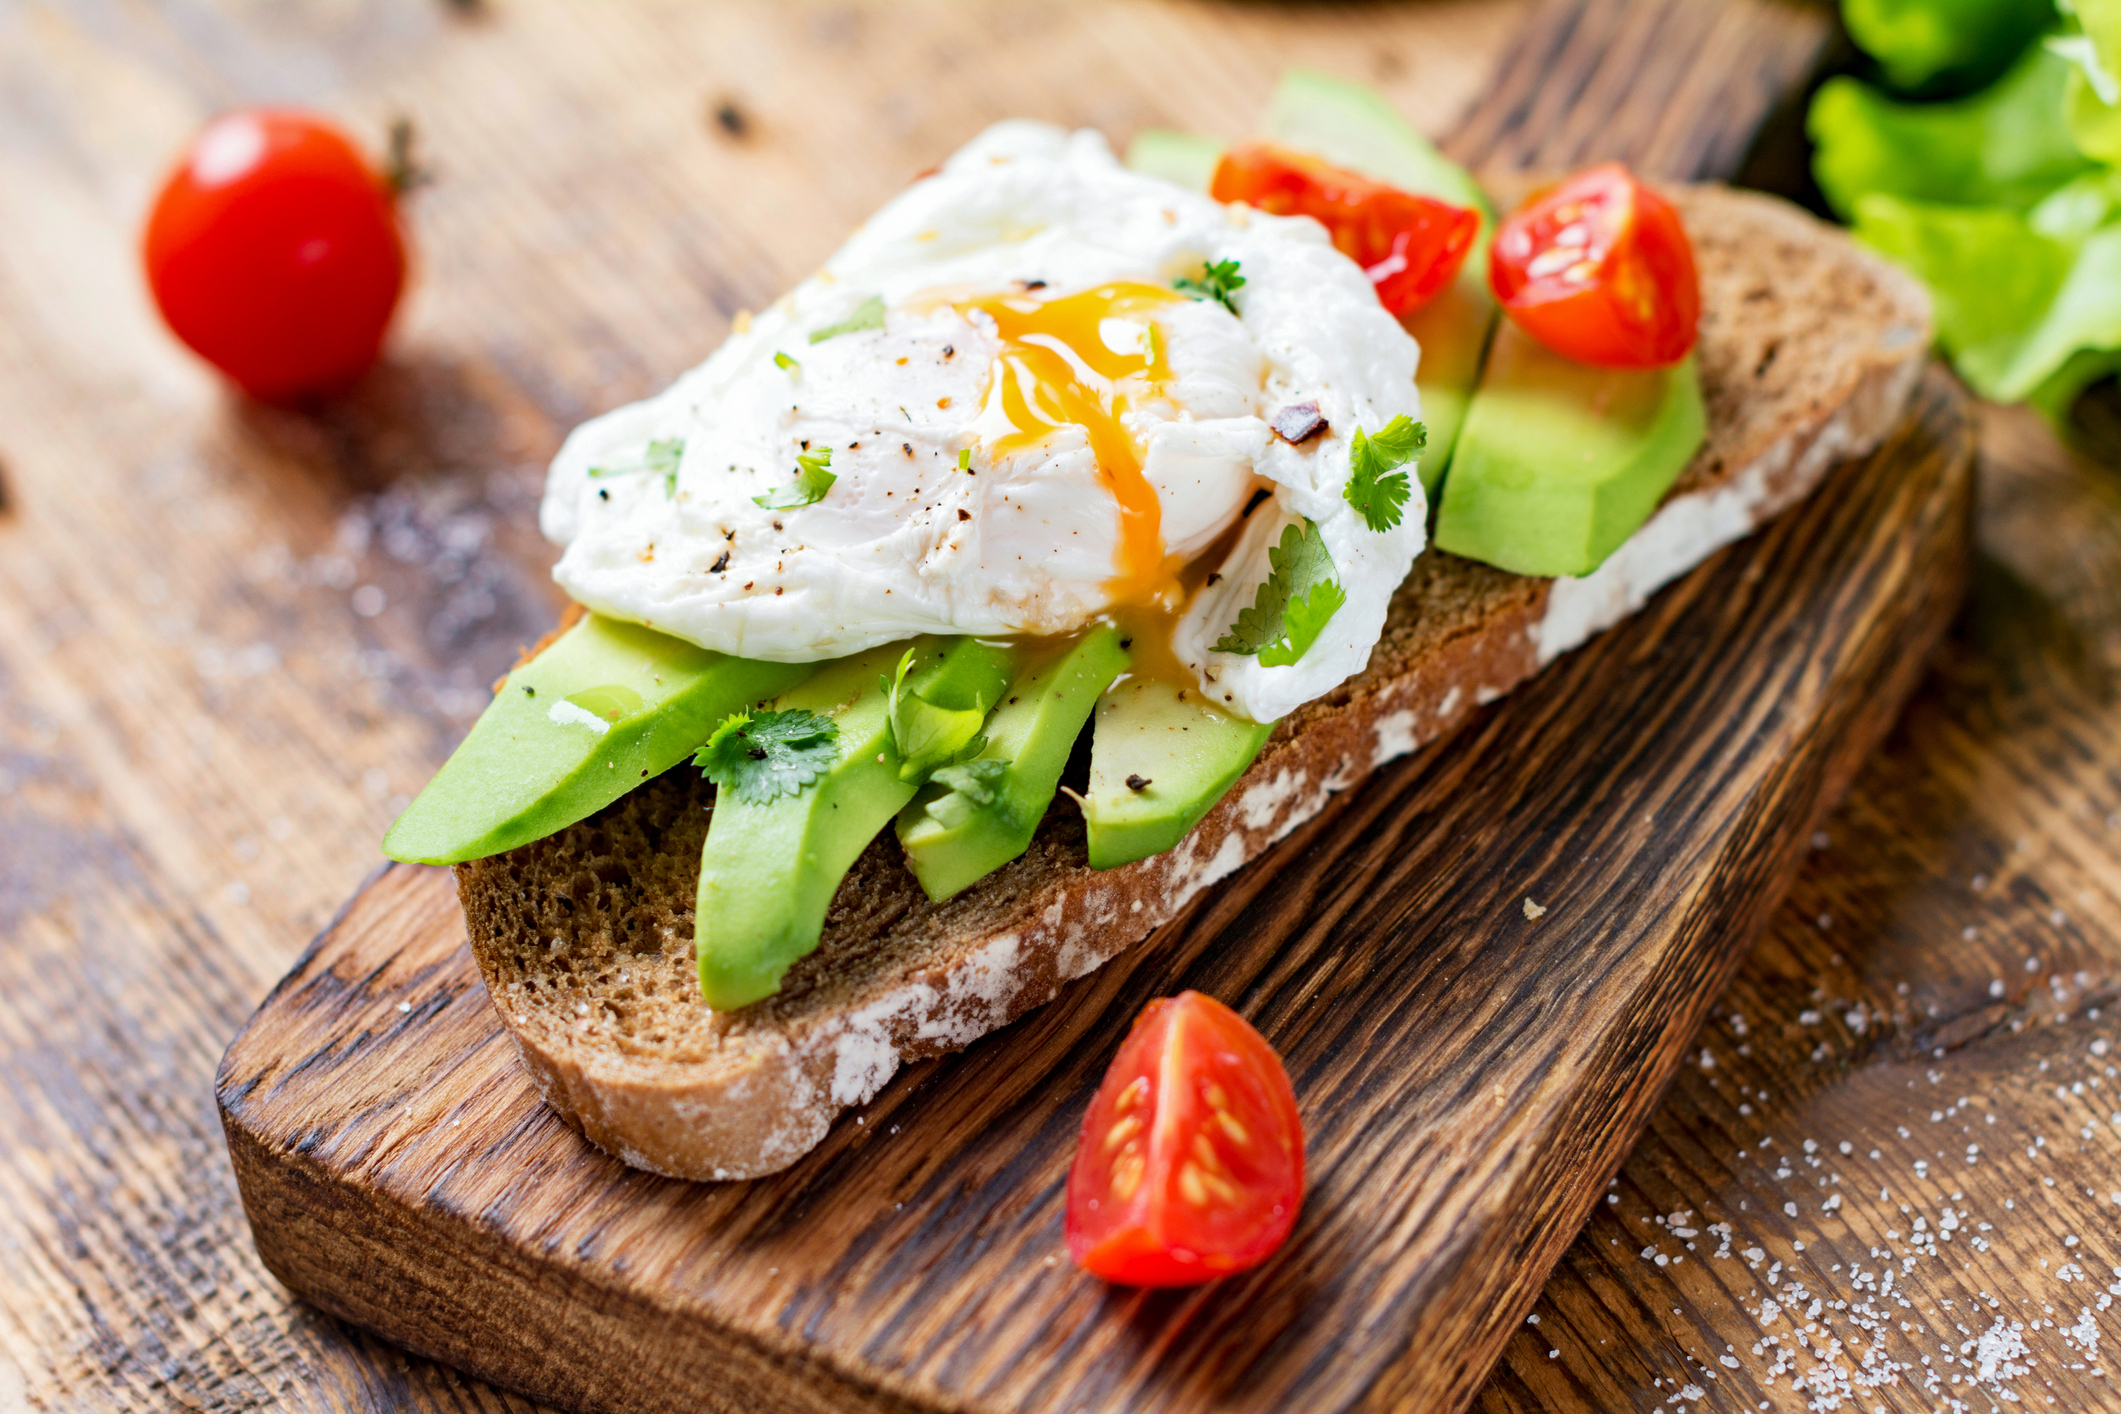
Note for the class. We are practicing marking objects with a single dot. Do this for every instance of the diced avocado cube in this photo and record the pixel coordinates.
(604, 708)
(979, 815)
(1560, 462)
(770, 868)
(1160, 758)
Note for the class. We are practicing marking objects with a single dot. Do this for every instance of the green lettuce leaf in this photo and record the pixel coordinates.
(2092, 103)
(2008, 145)
(2017, 294)
(1915, 41)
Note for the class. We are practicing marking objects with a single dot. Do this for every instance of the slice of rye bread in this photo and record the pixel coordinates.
(1809, 349)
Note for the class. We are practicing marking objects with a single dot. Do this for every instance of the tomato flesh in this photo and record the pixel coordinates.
(274, 252)
(1410, 246)
(1599, 269)
(1190, 1164)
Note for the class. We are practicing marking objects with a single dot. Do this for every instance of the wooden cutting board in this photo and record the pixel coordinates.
(1469, 1074)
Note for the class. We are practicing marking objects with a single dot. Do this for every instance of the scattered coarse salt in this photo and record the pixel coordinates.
(404, 1006)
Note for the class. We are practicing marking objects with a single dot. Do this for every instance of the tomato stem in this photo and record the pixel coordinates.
(403, 171)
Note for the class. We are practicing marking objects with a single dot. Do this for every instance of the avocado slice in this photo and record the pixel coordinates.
(1352, 127)
(1560, 462)
(769, 869)
(1160, 758)
(977, 816)
(605, 707)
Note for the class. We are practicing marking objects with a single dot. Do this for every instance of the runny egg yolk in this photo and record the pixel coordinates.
(1084, 359)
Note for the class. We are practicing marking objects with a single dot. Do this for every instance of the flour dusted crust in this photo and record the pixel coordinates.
(1809, 350)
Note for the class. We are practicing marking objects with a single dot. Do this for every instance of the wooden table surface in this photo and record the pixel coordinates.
(233, 641)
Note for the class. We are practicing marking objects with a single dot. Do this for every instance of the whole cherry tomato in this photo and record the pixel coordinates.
(1410, 246)
(274, 252)
(1599, 269)
(1190, 1165)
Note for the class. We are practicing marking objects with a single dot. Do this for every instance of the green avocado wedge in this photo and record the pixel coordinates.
(770, 868)
(977, 816)
(1160, 759)
(1560, 462)
(1352, 127)
(605, 707)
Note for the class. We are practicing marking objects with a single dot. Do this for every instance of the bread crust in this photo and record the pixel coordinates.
(1809, 351)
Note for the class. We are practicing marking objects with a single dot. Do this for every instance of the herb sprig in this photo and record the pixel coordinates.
(1293, 607)
(927, 735)
(811, 483)
(1218, 281)
(760, 756)
(1379, 493)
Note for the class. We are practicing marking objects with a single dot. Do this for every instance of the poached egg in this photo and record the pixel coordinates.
(1020, 424)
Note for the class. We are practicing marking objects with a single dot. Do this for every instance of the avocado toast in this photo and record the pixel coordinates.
(586, 937)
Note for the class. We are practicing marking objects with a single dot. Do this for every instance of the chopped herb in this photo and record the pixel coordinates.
(760, 756)
(972, 787)
(1218, 281)
(782, 360)
(928, 735)
(964, 459)
(661, 458)
(1293, 606)
(974, 780)
(869, 314)
(811, 483)
(1377, 496)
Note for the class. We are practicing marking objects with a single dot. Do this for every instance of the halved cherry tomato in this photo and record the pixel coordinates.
(1410, 246)
(1190, 1165)
(274, 252)
(1599, 269)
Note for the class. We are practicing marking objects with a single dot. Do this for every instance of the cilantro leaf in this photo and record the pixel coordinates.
(1293, 606)
(781, 360)
(1218, 281)
(972, 785)
(928, 735)
(660, 459)
(812, 481)
(974, 780)
(758, 756)
(1377, 492)
(869, 314)
(1303, 621)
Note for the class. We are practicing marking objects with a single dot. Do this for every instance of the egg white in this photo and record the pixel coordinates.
(905, 541)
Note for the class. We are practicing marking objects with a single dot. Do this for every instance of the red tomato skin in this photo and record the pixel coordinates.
(1410, 246)
(1155, 1116)
(1633, 302)
(274, 252)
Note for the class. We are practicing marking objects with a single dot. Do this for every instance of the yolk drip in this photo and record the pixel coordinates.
(1083, 360)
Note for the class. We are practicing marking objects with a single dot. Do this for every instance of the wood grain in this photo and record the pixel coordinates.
(1944, 974)
(1468, 1074)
